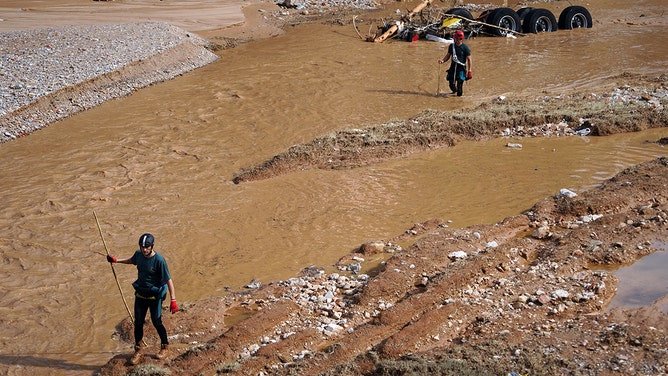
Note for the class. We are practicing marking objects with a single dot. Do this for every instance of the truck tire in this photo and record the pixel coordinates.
(462, 12)
(538, 21)
(504, 18)
(522, 12)
(575, 17)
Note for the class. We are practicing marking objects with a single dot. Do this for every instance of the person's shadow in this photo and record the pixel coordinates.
(36, 361)
(423, 93)
(407, 92)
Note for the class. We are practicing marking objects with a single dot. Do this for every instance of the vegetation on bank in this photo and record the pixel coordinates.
(623, 108)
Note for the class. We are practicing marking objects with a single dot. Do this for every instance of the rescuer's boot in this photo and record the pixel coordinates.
(136, 357)
(164, 351)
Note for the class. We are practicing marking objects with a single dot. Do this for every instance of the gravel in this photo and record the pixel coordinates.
(327, 4)
(49, 74)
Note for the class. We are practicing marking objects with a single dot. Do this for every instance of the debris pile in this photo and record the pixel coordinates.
(436, 24)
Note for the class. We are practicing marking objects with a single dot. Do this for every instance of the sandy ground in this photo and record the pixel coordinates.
(192, 15)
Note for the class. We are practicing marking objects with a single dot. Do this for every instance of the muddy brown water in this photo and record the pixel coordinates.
(643, 281)
(162, 161)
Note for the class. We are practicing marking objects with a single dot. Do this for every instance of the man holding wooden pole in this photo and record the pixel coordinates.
(153, 282)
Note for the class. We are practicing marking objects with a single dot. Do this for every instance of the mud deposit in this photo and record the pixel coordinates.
(527, 294)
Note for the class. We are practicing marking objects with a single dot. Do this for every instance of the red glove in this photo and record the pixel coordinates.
(111, 259)
(173, 307)
(469, 75)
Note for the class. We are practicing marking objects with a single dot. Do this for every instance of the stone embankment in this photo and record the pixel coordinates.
(52, 73)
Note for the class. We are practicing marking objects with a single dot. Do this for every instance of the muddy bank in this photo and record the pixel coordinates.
(631, 103)
(527, 294)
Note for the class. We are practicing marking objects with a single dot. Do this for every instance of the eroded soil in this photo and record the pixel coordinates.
(525, 295)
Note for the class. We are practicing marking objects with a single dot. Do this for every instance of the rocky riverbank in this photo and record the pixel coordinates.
(53, 73)
(619, 108)
(527, 294)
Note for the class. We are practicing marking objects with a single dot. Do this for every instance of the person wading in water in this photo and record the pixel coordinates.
(153, 282)
(461, 66)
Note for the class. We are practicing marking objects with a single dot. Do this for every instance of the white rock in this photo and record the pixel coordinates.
(561, 294)
(563, 192)
(457, 255)
(590, 218)
(332, 328)
(542, 232)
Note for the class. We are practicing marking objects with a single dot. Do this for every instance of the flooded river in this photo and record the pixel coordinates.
(162, 161)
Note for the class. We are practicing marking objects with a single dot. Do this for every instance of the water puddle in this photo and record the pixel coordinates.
(236, 315)
(643, 282)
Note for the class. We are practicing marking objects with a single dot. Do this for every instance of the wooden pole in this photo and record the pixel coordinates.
(132, 319)
(393, 29)
(438, 90)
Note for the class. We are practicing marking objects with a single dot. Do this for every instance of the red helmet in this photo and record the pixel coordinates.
(459, 34)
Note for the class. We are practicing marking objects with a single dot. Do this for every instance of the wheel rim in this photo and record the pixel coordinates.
(543, 24)
(507, 22)
(579, 20)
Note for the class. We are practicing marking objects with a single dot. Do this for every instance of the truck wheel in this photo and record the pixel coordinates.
(522, 12)
(505, 18)
(462, 12)
(575, 17)
(539, 20)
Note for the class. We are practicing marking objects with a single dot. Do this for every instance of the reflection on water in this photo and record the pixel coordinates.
(643, 282)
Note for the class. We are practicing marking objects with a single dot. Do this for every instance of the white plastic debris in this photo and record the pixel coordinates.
(457, 255)
(590, 218)
(563, 192)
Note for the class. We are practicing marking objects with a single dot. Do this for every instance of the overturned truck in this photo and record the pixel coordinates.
(427, 22)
